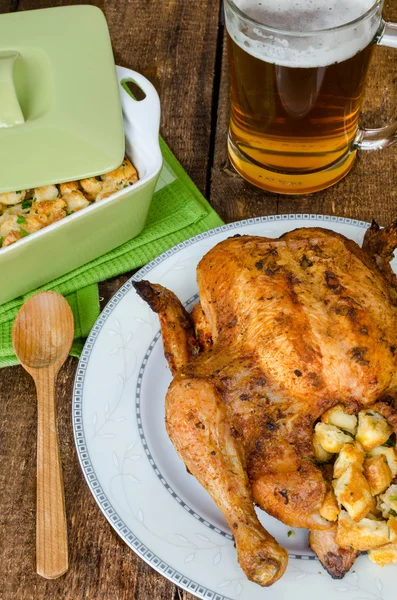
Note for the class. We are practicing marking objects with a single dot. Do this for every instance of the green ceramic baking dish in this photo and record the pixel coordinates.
(97, 229)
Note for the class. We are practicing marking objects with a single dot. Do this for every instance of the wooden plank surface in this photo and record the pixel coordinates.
(178, 46)
(8, 6)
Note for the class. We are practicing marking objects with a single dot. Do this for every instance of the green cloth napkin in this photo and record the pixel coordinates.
(178, 211)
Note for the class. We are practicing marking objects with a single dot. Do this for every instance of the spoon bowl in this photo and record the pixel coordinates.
(43, 331)
(42, 336)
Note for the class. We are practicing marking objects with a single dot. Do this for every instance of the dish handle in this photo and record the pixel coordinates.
(143, 115)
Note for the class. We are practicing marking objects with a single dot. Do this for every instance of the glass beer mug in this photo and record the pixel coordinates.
(298, 71)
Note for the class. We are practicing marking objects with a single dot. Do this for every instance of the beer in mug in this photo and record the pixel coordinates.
(297, 76)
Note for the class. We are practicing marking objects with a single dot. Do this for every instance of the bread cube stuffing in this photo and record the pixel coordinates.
(350, 454)
(338, 417)
(321, 454)
(362, 501)
(331, 438)
(374, 514)
(352, 491)
(389, 453)
(8, 223)
(377, 473)
(392, 523)
(25, 212)
(330, 509)
(365, 535)
(373, 429)
(388, 502)
(46, 192)
(12, 198)
(75, 201)
(385, 555)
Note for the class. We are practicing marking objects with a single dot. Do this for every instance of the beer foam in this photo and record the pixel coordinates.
(315, 50)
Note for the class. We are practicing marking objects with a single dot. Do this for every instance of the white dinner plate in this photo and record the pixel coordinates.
(133, 471)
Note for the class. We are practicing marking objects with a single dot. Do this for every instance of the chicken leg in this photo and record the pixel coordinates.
(197, 425)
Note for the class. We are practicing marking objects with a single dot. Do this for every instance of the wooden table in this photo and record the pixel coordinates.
(179, 46)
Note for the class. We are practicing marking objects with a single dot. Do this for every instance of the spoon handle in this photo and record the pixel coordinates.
(51, 532)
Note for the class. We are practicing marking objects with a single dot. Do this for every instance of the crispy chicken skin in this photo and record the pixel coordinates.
(201, 327)
(380, 244)
(337, 561)
(179, 340)
(298, 324)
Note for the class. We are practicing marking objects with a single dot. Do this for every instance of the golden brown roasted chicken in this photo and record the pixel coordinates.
(285, 329)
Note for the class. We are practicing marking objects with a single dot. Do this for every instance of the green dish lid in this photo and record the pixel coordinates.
(60, 112)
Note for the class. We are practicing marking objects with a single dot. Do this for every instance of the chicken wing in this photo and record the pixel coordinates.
(179, 340)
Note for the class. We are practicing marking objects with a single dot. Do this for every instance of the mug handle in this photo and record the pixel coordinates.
(377, 139)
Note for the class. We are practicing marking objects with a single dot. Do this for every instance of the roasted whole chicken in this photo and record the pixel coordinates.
(285, 329)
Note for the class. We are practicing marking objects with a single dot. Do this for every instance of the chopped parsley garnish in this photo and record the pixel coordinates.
(348, 433)
(26, 204)
(393, 513)
(21, 220)
(1, 241)
(291, 534)
(393, 498)
(390, 442)
(23, 232)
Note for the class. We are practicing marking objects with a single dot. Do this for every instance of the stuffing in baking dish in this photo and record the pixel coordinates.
(24, 212)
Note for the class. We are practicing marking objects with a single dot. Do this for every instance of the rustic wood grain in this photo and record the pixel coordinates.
(154, 37)
(176, 52)
(178, 46)
(8, 6)
(369, 190)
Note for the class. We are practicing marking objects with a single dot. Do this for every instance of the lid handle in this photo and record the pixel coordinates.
(10, 110)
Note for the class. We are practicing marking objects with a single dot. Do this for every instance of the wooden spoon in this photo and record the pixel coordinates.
(42, 336)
